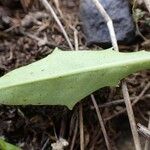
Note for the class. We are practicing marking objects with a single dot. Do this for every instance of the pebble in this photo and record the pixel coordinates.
(95, 28)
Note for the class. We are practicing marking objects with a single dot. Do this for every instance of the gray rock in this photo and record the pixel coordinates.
(95, 28)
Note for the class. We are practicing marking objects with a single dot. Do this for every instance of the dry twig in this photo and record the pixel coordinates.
(144, 131)
(101, 122)
(109, 23)
(80, 105)
(58, 7)
(134, 102)
(121, 101)
(147, 142)
(45, 144)
(124, 86)
(50, 9)
(131, 116)
(74, 135)
(81, 127)
(76, 39)
(93, 98)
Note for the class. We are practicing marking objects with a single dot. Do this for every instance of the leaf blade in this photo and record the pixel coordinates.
(64, 78)
(7, 146)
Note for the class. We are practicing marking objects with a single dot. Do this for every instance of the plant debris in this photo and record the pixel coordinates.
(37, 127)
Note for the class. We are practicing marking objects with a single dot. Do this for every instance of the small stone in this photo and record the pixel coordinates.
(95, 28)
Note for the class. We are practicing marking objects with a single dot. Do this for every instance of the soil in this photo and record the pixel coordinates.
(37, 127)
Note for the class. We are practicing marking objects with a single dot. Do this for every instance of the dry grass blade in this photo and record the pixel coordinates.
(74, 135)
(50, 9)
(81, 127)
(95, 105)
(109, 23)
(147, 142)
(58, 7)
(134, 102)
(101, 122)
(124, 86)
(76, 39)
(144, 131)
(141, 94)
(120, 101)
(80, 105)
(131, 116)
(45, 144)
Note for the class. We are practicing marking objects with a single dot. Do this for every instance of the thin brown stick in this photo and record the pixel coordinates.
(93, 99)
(55, 134)
(80, 105)
(50, 9)
(112, 103)
(115, 45)
(63, 127)
(144, 131)
(81, 127)
(74, 135)
(121, 101)
(141, 94)
(134, 102)
(131, 116)
(147, 142)
(76, 40)
(101, 122)
(124, 86)
(45, 144)
(58, 7)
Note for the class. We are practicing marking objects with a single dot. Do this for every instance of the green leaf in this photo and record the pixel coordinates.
(7, 146)
(66, 77)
